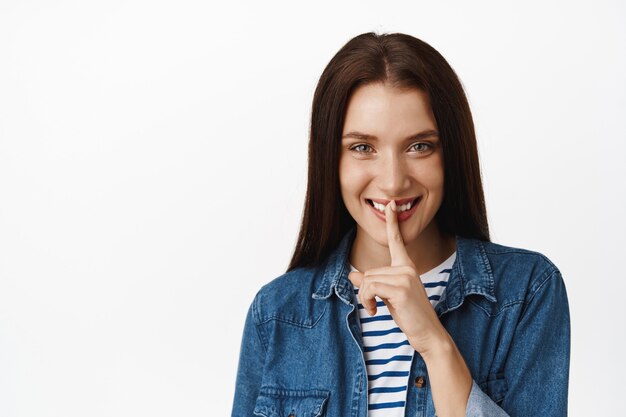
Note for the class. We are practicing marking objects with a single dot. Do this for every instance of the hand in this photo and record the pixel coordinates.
(401, 289)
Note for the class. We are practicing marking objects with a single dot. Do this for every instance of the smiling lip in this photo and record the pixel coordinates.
(401, 216)
(398, 202)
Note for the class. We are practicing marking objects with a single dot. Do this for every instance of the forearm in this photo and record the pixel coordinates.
(450, 378)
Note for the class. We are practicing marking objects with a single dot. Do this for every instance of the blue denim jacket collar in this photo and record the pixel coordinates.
(471, 274)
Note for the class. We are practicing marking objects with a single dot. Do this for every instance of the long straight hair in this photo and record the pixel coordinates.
(404, 62)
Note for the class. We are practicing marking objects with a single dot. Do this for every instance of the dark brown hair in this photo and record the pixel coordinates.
(404, 62)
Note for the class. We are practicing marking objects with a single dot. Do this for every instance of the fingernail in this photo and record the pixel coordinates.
(393, 205)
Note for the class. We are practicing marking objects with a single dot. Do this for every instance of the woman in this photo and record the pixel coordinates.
(396, 302)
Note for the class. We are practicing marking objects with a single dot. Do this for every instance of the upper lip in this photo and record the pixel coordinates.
(398, 202)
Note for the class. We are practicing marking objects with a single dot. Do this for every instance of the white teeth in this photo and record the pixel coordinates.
(378, 206)
(381, 207)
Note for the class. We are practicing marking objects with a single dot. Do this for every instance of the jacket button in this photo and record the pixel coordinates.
(419, 382)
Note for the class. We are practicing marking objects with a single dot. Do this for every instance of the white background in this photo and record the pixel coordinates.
(153, 169)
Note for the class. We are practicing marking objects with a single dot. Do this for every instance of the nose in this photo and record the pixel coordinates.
(393, 176)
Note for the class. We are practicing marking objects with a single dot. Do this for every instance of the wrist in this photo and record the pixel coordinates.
(436, 344)
(441, 346)
(443, 355)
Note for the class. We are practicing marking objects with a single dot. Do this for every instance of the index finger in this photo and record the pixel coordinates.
(399, 255)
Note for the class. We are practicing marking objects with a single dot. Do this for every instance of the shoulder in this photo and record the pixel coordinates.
(518, 273)
(501, 256)
(288, 298)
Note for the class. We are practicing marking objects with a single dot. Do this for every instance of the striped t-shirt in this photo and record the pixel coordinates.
(388, 354)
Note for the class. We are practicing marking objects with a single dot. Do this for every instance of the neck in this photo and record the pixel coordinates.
(427, 250)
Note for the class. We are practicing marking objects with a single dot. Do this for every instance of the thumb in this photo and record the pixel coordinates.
(355, 278)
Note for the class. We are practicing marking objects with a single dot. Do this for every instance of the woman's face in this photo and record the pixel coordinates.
(390, 150)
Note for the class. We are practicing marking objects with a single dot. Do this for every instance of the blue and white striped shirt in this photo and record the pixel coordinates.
(388, 354)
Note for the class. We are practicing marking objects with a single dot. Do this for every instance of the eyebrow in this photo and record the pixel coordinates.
(365, 136)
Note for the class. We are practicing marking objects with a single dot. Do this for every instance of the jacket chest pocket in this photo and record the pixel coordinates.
(278, 402)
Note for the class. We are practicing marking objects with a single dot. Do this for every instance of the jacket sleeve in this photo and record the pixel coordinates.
(250, 367)
(537, 366)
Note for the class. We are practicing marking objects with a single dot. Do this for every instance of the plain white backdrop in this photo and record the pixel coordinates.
(153, 170)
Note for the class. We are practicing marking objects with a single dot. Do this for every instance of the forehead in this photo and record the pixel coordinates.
(379, 108)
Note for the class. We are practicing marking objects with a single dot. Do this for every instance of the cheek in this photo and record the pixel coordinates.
(352, 177)
(432, 176)
(346, 182)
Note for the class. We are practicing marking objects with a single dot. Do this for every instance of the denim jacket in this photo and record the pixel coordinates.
(506, 309)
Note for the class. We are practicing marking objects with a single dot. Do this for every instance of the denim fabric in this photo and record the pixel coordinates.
(505, 308)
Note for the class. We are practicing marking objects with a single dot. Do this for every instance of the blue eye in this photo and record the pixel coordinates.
(427, 146)
(354, 148)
